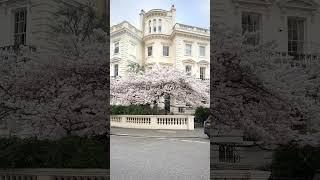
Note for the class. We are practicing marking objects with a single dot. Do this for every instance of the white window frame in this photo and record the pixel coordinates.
(251, 27)
(202, 74)
(181, 109)
(116, 70)
(151, 52)
(166, 51)
(116, 45)
(17, 26)
(298, 41)
(204, 51)
(188, 52)
(154, 25)
(188, 69)
(133, 49)
(160, 25)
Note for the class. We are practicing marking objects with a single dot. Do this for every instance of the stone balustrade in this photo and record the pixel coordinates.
(54, 174)
(179, 26)
(153, 121)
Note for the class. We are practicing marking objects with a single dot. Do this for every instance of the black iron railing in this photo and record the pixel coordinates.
(298, 59)
(228, 154)
(17, 48)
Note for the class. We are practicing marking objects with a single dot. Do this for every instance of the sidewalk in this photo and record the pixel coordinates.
(196, 133)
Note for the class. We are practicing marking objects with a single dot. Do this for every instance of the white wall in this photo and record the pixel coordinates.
(273, 19)
(180, 43)
(39, 18)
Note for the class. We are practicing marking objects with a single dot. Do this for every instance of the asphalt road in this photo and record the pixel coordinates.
(152, 158)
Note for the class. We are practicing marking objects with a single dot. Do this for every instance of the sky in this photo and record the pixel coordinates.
(190, 12)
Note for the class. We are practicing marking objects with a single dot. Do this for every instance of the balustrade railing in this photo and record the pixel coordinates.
(191, 28)
(153, 121)
(296, 59)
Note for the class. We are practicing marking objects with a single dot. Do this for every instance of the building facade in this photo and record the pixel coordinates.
(293, 24)
(27, 22)
(161, 41)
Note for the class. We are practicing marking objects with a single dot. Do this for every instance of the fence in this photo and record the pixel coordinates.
(302, 60)
(54, 174)
(153, 121)
(239, 174)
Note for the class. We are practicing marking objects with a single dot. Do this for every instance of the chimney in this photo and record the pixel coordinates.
(142, 20)
(173, 12)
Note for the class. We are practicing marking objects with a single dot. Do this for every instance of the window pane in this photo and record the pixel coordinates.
(116, 47)
(251, 24)
(188, 70)
(295, 35)
(165, 50)
(20, 27)
(116, 69)
(188, 49)
(154, 26)
(149, 51)
(160, 25)
(202, 73)
(202, 51)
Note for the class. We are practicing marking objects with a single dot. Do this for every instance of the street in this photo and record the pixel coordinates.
(171, 157)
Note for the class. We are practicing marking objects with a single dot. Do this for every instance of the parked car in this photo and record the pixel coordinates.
(207, 126)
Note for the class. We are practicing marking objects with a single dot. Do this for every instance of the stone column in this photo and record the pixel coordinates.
(190, 122)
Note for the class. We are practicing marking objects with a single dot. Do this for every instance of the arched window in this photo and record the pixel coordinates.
(154, 25)
(116, 70)
(160, 25)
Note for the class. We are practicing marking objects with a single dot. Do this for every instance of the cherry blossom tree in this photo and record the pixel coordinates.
(152, 85)
(64, 86)
(251, 89)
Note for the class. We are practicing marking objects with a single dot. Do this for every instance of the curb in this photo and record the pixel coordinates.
(130, 135)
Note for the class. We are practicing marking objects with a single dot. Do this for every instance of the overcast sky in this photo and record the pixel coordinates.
(190, 12)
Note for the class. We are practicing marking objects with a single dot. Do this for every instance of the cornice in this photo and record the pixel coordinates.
(125, 31)
(307, 5)
(155, 12)
(203, 62)
(263, 3)
(115, 60)
(257, 4)
(190, 35)
(157, 36)
(188, 61)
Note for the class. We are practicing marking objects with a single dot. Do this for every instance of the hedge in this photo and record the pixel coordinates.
(135, 110)
(68, 152)
(201, 114)
(291, 161)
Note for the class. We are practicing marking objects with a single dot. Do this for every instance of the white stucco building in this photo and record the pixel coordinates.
(293, 24)
(27, 22)
(160, 40)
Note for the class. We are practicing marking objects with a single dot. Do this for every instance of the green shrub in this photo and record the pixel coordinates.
(135, 110)
(69, 152)
(201, 114)
(292, 161)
